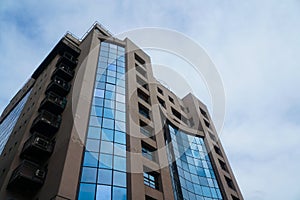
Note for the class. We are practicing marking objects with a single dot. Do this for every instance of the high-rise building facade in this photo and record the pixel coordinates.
(92, 122)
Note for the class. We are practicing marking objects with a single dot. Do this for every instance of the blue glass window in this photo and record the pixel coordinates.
(90, 159)
(98, 101)
(106, 147)
(120, 150)
(120, 163)
(120, 116)
(119, 179)
(105, 176)
(197, 179)
(120, 137)
(89, 174)
(92, 145)
(94, 132)
(120, 106)
(104, 162)
(107, 134)
(95, 121)
(103, 192)
(108, 113)
(108, 123)
(119, 193)
(86, 191)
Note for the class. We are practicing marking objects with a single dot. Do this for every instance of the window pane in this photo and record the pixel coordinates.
(109, 95)
(120, 98)
(111, 80)
(120, 137)
(103, 192)
(120, 126)
(95, 121)
(206, 191)
(106, 147)
(108, 123)
(111, 73)
(86, 191)
(98, 101)
(94, 132)
(120, 150)
(107, 134)
(108, 113)
(119, 179)
(90, 159)
(104, 176)
(109, 103)
(119, 193)
(92, 145)
(120, 106)
(105, 161)
(119, 163)
(112, 67)
(120, 116)
(88, 174)
(99, 93)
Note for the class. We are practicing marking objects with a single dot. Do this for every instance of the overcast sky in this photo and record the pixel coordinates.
(255, 46)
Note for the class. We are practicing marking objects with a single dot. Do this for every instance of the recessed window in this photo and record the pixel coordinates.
(179, 116)
(234, 197)
(171, 99)
(230, 183)
(142, 95)
(148, 151)
(142, 71)
(161, 102)
(207, 124)
(144, 111)
(139, 60)
(151, 180)
(203, 113)
(191, 122)
(218, 151)
(182, 108)
(149, 198)
(142, 83)
(160, 91)
(146, 130)
(223, 165)
(213, 137)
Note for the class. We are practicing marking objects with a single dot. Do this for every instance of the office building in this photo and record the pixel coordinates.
(92, 122)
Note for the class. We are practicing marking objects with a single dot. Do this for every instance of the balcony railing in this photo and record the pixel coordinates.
(68, 59)
(46, 123)
(59, 86)
(53, 103)
(64, 72)
(27, 176)
(37, 148)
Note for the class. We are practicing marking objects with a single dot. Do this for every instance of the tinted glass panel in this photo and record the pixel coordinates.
(104, 163)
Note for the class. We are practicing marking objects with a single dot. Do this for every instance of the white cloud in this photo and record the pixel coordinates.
(254, 44)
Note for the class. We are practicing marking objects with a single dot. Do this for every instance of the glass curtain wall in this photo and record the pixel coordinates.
(103, 175)
(193, 177)
(8, 124)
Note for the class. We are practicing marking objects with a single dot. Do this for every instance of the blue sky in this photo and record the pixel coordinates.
(255, 46)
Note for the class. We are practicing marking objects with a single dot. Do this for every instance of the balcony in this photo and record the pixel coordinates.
(59, 86)
(67, 59)
(64, 72)
(37, 148)
(46, 123)
(53, 103)
(27, 176)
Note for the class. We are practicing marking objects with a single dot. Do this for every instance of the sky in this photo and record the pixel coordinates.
(253, 45)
